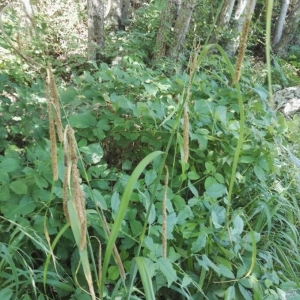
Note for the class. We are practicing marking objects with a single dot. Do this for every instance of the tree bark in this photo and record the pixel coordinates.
(96, 39)
(289, 30)
(243, 8)
(118, 14)
(167, 21)
(222, 20)
(280, 22)
(181, 28)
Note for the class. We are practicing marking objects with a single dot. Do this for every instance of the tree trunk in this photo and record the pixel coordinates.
(243, 8)
(181, 28)
(96, 39)
(289, 30)
(167, 21)
(280, 22)
(118, 14)
(222, 20)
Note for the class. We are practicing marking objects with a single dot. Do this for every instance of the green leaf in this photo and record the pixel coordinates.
(150, 176)
(4, 177)
(246, 159)
(83, 120)
(226, 272)
(40, 181)
(6, 293)
(259, 172)
(146, 278)
(246, 294)
(192, 175)
(9, 164)
(166, 268)
(26, 206)
(238, 224)
(4, 192)
(19, 187)
(115, 202)
(216, 190)
(122, 210)
(193, 189)
(99, 198)
(113, 273)
(199, 244)
(92, 153)
(230, 293)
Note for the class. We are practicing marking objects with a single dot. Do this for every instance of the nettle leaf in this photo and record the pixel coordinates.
(83, 120)
(259, 172)
(165, 266)
(216, 190)
(200, 243)
(19, 187)
(150, 176)
(9, 164)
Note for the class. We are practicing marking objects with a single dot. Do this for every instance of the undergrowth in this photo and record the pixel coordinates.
(158, 187)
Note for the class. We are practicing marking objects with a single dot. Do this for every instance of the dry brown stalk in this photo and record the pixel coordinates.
(243, 40)
(54, 99)
(164, 214)
(53, 152)
(71, 182)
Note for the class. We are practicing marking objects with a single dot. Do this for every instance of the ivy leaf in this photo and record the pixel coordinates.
(19, 187)
(166, 268)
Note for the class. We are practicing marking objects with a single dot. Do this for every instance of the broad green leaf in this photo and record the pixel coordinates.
(4, 192)
(186, 281)
(92, 153)
(199, 244)
(99, 198)
(115, 202)
(246, 294)
(218, 215)
(210, 264)
(9, 164)
(246, 159)
(19, 187)
(259, 172)
(113, 273)
(193, 189)
(6, 293)
(216, 190)
(230, 293)
(238, 224)
(226, 272)
(82, 120)
(151, 89)
(150, 176)
(40, 181)
(167, 269)
(4, 177)
(26, 205)
(192, 175)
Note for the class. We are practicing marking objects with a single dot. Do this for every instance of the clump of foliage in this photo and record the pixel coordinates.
(155, 159)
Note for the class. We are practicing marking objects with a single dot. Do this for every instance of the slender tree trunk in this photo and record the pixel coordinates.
(289, 30)
(167, 21)
(181, 28)
(281, 20)
(96, 39)
(244, 7)
(222, 21)
(118, 14)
